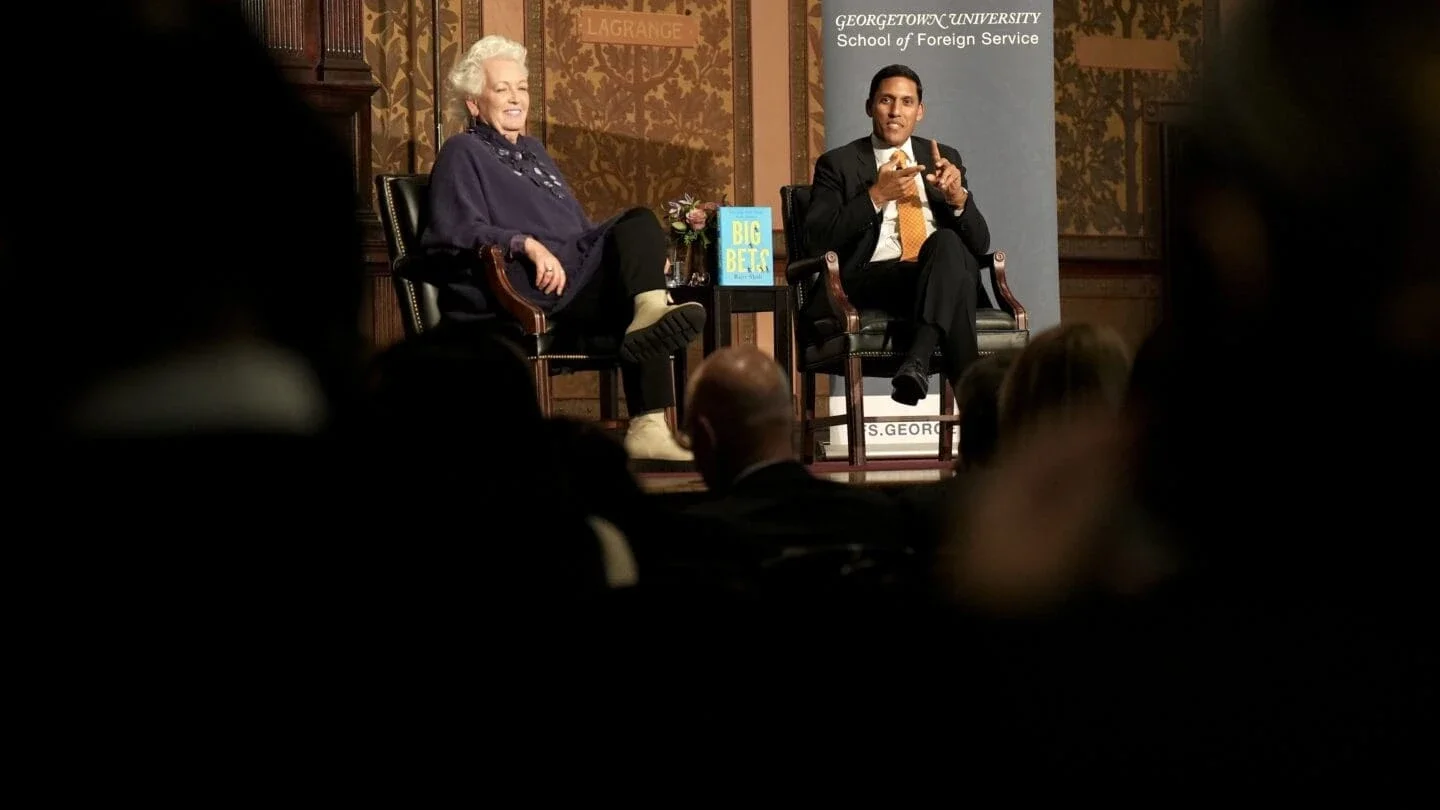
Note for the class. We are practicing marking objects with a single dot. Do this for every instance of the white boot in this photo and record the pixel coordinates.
(649, 437)
(659, 327)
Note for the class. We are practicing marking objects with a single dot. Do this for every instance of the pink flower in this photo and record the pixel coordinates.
(696, 218)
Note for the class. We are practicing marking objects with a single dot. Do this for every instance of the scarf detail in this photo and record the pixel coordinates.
(521, 161)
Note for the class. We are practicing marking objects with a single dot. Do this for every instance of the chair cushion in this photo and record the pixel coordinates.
(992, 341)
(880, 322)
(882, 342)
(881, 355)
(603, 347)
(994, 320)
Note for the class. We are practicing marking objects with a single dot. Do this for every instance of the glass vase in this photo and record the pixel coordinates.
(678, 275)
(698, 264)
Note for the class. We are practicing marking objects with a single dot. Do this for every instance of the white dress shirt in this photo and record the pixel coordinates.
(887, 247)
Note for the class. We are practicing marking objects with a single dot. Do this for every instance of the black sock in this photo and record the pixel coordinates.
(926, 338)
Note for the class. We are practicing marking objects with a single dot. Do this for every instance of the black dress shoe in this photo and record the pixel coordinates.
(911, 383)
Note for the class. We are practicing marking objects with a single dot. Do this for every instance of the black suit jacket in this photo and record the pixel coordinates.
(778, 507)
(784, 505)
(798, 540)
(842, 218)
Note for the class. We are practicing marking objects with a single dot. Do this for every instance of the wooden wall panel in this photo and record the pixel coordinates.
(1128, 302)
(319, 48)
(381, 321)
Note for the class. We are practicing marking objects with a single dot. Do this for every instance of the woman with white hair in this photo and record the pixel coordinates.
(494, 185)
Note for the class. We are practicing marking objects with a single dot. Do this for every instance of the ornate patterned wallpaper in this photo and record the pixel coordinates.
(1098, 113)
(1098, 118)
(807, 100)
(641, 125)
(398, 50)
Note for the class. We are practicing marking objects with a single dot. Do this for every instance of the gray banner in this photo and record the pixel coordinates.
(987, 67)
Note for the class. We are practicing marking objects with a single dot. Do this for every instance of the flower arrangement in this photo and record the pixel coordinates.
(691, 220)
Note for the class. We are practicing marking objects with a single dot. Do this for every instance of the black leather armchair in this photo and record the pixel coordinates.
(836, 338)
(404, 209)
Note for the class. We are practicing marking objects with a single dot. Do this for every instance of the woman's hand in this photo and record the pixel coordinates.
(549, 275)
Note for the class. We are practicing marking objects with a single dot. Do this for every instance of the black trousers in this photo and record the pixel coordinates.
(939, 289)
(633, 262)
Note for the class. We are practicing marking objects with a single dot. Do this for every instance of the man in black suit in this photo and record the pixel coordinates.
(740, 424)
(768, 534)
(907, 234)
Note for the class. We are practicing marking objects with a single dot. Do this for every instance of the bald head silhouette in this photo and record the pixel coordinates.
(739, 414)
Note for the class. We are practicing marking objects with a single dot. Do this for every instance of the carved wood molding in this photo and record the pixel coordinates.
(1145, 287)
(1109, 248)
(800, 159)
(320, 48)
(535, 45)
(472, 23)
(744, 115)
(342, 39)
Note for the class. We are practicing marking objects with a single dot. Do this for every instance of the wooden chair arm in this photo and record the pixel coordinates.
(1008, 302)
(530, 317)
(802, 271)
(835, 294)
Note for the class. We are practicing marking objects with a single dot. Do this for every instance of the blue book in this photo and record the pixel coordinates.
(746, 255)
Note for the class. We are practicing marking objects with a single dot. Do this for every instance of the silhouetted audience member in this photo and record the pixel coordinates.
(977, 399)
(455, 417)
(205, 307)
(1071, 374)
(1285, 646)
(211, 574)
(454, 390)
(1065, 372)
(212, 278)
(804, 533)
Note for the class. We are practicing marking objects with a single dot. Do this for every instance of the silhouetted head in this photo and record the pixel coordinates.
(739, 413)
(1067, 371)
(201, 202)
(1306, 333)
(1313, 185)
(977, 398)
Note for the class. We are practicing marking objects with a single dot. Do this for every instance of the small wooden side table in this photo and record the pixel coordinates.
(722, 302)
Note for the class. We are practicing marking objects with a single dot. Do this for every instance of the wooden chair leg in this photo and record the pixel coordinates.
(947, 429)
(807, 417)
(609, 394)
(855, 411)
(541, 367)
(679, 376)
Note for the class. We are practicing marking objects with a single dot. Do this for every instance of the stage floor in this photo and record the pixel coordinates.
(886, 473)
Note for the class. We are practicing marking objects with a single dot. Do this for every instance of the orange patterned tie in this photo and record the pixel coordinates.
(911, 220)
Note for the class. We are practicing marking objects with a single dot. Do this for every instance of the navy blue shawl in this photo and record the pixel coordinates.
(485, 190)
